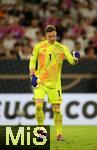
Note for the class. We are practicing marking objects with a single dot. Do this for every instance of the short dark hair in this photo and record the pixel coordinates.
(49, 28)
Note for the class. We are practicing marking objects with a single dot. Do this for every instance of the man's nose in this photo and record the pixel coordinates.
(53, 38)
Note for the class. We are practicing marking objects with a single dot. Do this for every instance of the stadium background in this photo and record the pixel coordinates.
(21, 27)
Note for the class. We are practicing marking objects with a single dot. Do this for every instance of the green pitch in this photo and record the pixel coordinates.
(76, 138)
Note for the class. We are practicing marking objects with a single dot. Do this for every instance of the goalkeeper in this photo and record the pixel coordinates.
(45, 72)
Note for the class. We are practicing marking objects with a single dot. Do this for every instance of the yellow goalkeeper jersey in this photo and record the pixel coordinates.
(49, 59)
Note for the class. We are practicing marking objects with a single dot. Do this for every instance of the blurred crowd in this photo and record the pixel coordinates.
(22, 24)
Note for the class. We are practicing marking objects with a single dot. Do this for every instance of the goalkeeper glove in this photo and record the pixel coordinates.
(76, 54)
(34, 80)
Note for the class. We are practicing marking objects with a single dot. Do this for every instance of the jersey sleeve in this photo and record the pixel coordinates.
(68, 55)
(33, 59)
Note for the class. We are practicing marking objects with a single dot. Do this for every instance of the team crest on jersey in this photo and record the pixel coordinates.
(56, 50)
(59, 53)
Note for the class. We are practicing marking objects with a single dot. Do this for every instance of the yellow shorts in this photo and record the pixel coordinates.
(54, 94)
